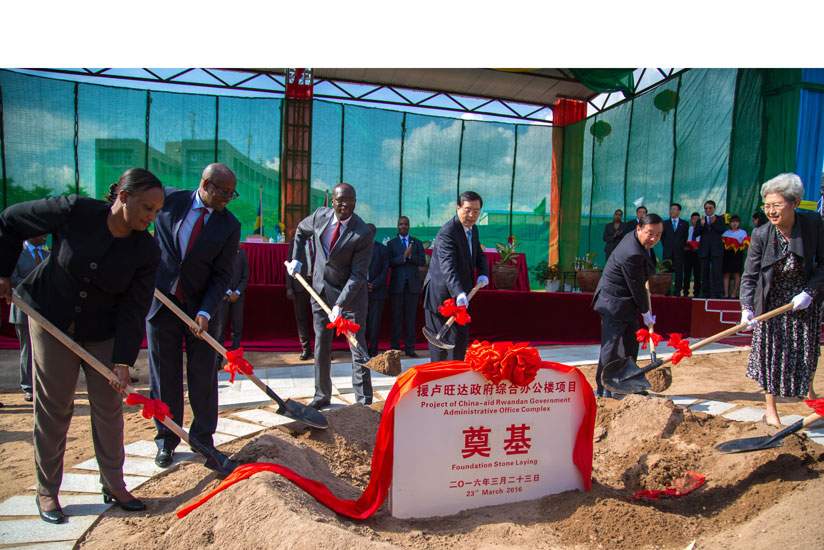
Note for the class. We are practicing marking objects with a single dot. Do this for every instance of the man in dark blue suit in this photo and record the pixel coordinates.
(456, 255)
(198, 238)
(621, 294)
(376, 284)
(674, 240)
(405, 255)
(711, 250)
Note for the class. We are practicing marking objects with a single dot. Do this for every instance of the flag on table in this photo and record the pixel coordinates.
(259, 220)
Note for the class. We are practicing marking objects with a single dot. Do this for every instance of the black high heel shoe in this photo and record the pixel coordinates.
(134, 505)
(51, 516)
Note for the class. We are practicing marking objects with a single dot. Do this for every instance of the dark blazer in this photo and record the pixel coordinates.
(341, 275)
(378, 271)
(305, 263)
(240, 272)
(806, 240)
(673, 241)
(452, 268)
(206, 271)
(621, 292)
(100, 283)
(711, 243)
(25, 265)
(631, 226)
(405, 271)
(610, 238)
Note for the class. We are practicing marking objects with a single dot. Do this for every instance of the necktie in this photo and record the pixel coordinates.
(469, 239)
(674, 225)
(405, 243)
(192, 238)
(335, 235)
(37, 257)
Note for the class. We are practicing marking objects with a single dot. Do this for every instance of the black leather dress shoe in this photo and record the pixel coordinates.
(53, 516)
(28, 397)
(164, 458)
(305, 355)
(134, 505)
(412, 354)
(318, 404)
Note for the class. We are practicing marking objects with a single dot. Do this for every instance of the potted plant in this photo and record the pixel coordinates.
(661, 280)
(587, 273)
(505, 271)
(548, 276)
(424, 269)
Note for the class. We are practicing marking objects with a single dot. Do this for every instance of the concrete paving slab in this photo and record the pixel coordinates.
(230, 399)
(73, 505)
(712, 407)
(221, 439)
(132, 466)
(384, 394)
(303, 372)
(87, 483)
(264, 417)
(790, 419)
(21, 531)
(62, 545)
(298, 392)
(236, 427)
(683, 401)
(745, 414)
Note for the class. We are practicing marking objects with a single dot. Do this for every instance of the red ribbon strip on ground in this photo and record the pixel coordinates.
(682, 347)
(344, 325)
(643, 335)
(374, 495)
(451, 309)
(690, 482)
(817, 405)
(237, 363)
(151, 407)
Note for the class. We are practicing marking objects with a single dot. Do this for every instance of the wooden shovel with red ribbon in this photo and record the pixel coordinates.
(456, 314)
(290, 409)
(215, 460)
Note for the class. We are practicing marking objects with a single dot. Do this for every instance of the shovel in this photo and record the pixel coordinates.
(290, 409)
(765, 441)
(390, 366)
(624, 376)
(437, 340)
(215, 460)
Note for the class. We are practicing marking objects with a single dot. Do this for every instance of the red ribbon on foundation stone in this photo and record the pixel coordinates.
(682, 347)
(817, 405)
(344, 325)
(151, 407)
(643, 335)
(516, 363)
(237, 363)
(450, 308)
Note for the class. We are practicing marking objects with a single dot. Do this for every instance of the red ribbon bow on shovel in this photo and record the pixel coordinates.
(344, 325)
(682, 347)
(817, 405)
(237, 363)
(643, 335)
(449, 309)
(151, 407)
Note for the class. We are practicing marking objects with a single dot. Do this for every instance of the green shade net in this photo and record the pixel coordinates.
(744, 182)
(606, 80)
(782, 100)
(326, 151)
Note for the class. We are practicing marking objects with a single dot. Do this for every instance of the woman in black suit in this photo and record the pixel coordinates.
(785, 263)
(96, 286)
(614, 231)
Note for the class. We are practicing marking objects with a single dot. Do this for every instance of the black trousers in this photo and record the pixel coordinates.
(617, 341)
(457, 334)
(712, 276)
(235, 310)
(404, 308)
(373, 324)
(678, 270)
(303, 313)
(692, 268)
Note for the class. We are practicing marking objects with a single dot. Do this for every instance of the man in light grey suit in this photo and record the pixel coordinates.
(343, 245)
(33, 254)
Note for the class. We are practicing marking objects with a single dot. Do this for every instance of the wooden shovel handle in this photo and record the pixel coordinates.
(649, 327)
(90, 359)
(472, 293)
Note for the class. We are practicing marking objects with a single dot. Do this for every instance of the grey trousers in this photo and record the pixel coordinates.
(56, 369)
(22, 330)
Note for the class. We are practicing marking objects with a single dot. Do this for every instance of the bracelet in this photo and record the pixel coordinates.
(121, 365)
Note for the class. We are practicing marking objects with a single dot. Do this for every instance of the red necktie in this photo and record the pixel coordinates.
(37, 257)
(192, 238)
(335, 235)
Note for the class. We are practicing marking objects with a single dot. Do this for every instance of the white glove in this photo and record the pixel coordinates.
(293, 267)
(649, 318)
(461, 300)
(747, 316)
(483, 280)
(802, 300)
(334, 314)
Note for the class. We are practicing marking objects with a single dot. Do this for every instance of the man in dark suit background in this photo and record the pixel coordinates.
(456, 254)
(632, 225)
(376, 285)
(711, 251)
(405, 255)
(621, 294)
(234, 298)
(343, 246)
(33, 254)
(198, 239)
(296, 294)
(692, 266)
(673, 241)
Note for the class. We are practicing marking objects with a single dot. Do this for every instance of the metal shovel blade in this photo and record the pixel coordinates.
(433, 339)
(749, 444)
(624, 376)
(303, 413)
(215, 460)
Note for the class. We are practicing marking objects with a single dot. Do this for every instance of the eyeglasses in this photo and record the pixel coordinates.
(774, 206)
(228, 196)
(468, 211)
(344, 200)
